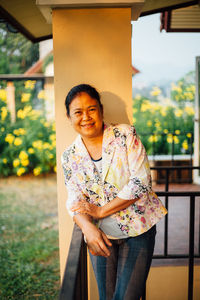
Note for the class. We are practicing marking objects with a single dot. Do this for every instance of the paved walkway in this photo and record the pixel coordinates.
(178, 221)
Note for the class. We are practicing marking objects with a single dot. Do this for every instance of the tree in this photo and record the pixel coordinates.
(16, 52)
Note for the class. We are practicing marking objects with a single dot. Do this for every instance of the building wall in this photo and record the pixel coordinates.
(90, 46)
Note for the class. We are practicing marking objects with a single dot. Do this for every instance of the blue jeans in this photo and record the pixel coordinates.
(122, 275)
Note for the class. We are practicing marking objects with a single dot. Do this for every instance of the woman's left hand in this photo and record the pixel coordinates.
(85, 207)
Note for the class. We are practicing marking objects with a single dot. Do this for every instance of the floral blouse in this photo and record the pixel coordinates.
(125, 173)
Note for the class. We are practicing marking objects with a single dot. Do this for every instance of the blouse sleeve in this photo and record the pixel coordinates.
(73, 188)
(139, 183)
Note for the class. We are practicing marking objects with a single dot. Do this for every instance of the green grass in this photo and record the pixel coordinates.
(29, 267)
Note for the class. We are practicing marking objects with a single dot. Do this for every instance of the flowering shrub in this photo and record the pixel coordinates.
(28, 145)
(165, 123)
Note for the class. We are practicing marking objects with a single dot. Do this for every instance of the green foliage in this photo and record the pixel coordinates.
(28, 252)
(28, 145)
(16, 52)
(47, 61)
(165, 123)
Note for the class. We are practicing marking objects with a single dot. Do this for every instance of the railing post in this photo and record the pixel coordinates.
(166, 217)
(191, 248)
(74, 285)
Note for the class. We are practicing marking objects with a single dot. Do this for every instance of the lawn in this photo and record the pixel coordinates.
(29, 264)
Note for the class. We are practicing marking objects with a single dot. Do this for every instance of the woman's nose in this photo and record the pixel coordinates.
(86, 115)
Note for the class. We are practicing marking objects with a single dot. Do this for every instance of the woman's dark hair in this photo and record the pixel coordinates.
(82, 88)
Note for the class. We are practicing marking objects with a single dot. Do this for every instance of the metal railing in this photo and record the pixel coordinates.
(189, 136)
(74, 285)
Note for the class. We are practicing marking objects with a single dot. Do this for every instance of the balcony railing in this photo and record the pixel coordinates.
(75, 286)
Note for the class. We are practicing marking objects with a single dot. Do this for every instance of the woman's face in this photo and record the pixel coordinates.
(86, 116)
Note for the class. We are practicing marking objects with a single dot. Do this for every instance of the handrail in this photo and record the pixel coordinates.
(74, 285)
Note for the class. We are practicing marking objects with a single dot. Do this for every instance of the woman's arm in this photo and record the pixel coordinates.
(96, 239)
(100, 212)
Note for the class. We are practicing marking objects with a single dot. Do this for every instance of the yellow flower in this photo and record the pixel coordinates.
(3, 95)
(189, 135)
(176, 140)
(54, 126)
(176, 88)
(4, 113)
(138, 97)
(21, 171)
(157, 124)
(149, 123)
(41, 95)
(20, 131)
(2, 129)
(21, 114)
(189, 95)
(25, 162)
(46, 124)
(177, 131)
(50, 155)
(16, 163)
(145, 106)
(37, 144)
(17, 141)
(27, 109)
(178, 113)
(169, 138)
(31, 150)
(55, 169)
(37, 171)
(25, 97)
(9, 138)
(163, 111)
(165, 130)
(155, 107)
(46, 146)
(52, 137)
(23, 155)
(185, 145)
(54, 143)
(34, 114)
(156, 91)
(5, 160)
(189, 110)
(30, 84)
(153, 138)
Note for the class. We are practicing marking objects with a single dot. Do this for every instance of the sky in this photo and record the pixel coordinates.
(159, 55)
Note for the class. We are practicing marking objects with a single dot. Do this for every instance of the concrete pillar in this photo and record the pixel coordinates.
(90, 46)
(10, 90)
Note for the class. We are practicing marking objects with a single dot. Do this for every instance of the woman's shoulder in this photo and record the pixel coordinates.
(68, 153)
(124, 129)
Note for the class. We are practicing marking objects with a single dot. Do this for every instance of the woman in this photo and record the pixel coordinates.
(110, 196)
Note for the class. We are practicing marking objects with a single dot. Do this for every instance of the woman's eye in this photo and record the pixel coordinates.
(77, 113)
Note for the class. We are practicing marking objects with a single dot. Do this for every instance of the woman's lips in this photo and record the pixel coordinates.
(88, 125)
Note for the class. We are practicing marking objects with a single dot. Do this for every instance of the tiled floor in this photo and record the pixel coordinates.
(178, 220)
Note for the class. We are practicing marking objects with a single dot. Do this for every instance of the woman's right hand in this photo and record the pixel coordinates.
(97, 241)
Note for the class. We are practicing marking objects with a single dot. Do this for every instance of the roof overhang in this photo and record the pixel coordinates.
(33, 17)
(181, 20)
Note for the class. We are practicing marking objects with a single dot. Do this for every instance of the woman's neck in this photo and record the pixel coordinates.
(94, 146)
